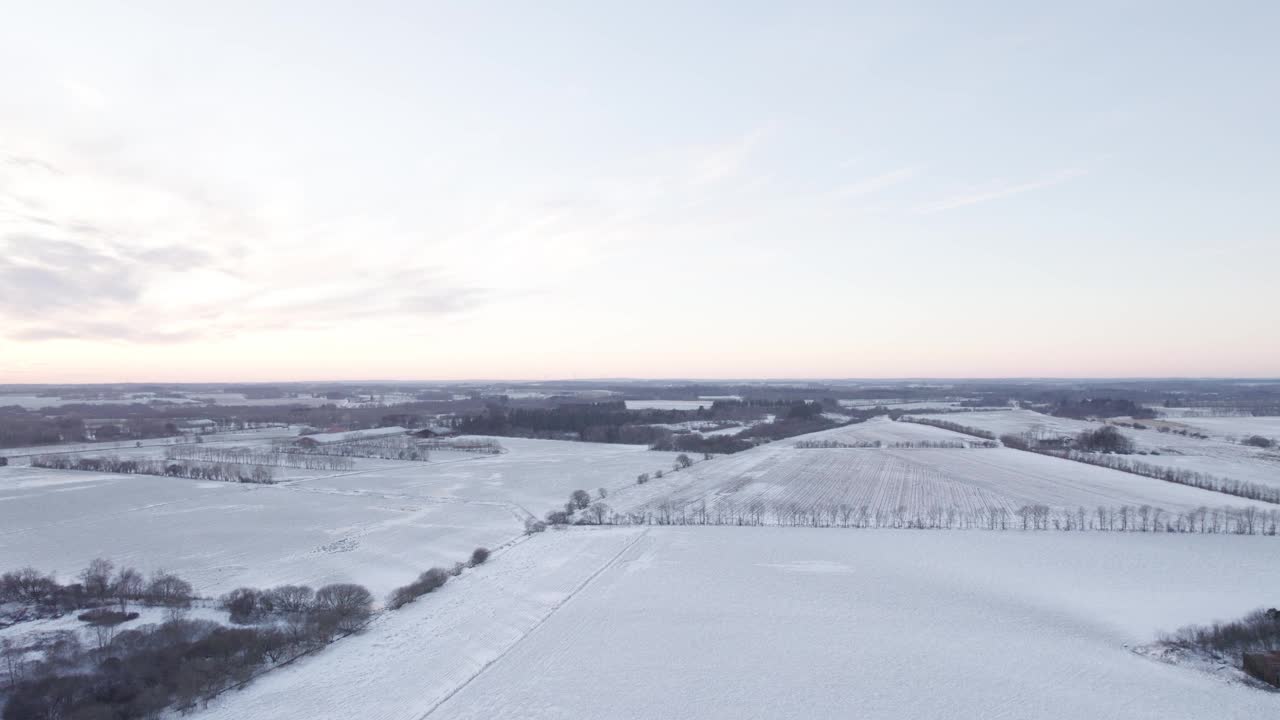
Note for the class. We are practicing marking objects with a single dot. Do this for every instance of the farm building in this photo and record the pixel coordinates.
(1264, 666)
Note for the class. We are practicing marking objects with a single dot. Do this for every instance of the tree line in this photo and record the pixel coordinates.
(948, 425)
(253, 456)
(191, 469)
(1180, 476)
(390, 447)
(1032, 517)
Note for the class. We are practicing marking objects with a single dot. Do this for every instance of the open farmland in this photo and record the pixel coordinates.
(895, 623)
(408, 662)
(775, 479)
(537, 475)
(222, 535)
(885, 431)
(1212, 456)
(379, 524)
(1235, 428)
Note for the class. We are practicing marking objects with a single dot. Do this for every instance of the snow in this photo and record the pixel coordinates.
(1213, 456)
(536, 475)
(668, 404)
(408, 661)
(1236, 427)
(380, 524)
(779, 474)
(791, 623)
(256, 436)
(323, 438)
(884, 430)
(794, 623)
(219, 536)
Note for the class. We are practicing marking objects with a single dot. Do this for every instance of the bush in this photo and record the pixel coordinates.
(479, 555)
(1259, 441)
(106, 616)
(533, 525)
(1105, 439)
(348, 604)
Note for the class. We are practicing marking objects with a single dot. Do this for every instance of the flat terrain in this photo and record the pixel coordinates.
(791, 623)
(795, 623)
(409, 661)
(1214, 455)
(379, 524)
(885, 480)
(220, 536)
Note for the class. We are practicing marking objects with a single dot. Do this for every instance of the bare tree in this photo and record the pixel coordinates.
(127, 586)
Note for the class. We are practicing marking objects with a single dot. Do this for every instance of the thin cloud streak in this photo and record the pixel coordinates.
(876, 184)
(1000, 193)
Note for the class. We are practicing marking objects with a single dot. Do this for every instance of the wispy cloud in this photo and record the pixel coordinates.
(875, 184)
(1000, 192)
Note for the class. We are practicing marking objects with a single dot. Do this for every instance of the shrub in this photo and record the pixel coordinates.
(106, 616)
(1105, 439)
(479, 555)
(1259, 441)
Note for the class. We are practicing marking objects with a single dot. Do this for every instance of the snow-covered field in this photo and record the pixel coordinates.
(1214, 456)
(884, 430)
(918, 480)
(379, 524)
(1017, 421)
(795, 623)
(537, 475)
(409, 661)
(219, 536)
(803, 624)
(1236, 427)
(261, 436)
(668, 404)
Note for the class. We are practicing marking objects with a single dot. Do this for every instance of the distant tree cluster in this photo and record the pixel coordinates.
(836, 444)
(1105, 439)
(1259, 631)
(478, 446)
(389, 447)
(136, 673)
(1126, 518)
(221, 472)
(1099, 407)
(253, 456)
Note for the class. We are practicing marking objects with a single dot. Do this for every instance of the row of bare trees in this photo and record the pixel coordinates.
(948, 425)
(480, 446)
(1248, 520)
(391, 447)
(1180, 476)
(255, 456)
(191, 469)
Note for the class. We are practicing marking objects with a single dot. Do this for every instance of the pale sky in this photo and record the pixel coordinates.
(294, 191)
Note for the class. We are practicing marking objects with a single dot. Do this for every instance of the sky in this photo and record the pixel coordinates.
(245, 191)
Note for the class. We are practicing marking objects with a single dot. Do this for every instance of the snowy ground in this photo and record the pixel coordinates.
(1214, 456)
(806, 624)
(1236, 428)
(379, 524)
(537, 475)
(779, 474)
(668, 404)
(409, 661)
(886, 431)
(219, 536)
(795, 623)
